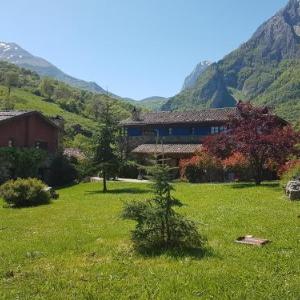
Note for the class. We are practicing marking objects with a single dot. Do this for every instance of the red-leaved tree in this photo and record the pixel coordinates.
(260, 136)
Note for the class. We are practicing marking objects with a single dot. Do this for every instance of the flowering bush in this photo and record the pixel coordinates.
(202, 167)
(239, 165)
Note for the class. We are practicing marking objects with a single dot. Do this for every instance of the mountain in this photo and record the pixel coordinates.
(191, 80)
(82, 112)
(14, 54)
(264, 70)
(153, 103)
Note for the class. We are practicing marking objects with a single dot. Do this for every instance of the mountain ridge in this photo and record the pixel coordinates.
(249, 71)
(13, 53)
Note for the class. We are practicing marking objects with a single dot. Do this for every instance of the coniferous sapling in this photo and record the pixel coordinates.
(159, 226)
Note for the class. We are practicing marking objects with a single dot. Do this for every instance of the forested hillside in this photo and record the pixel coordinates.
(13, 53)
(82, 110)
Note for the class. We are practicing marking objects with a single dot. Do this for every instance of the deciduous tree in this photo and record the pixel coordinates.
(259, 135)
(47, 88)
(11, 79)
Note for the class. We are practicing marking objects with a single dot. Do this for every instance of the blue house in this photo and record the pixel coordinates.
(176, 134)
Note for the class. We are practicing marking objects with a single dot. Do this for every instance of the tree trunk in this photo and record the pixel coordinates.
(258, 174)
(104, 182)
(257, 181)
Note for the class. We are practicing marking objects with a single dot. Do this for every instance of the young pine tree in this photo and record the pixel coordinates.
(159, 226)
(106, 158)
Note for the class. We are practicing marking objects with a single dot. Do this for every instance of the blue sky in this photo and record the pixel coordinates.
(135, 48)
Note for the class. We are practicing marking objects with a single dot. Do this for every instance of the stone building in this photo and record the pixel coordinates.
(175, 135)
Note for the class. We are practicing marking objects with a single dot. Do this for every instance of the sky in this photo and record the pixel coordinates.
(133, 48)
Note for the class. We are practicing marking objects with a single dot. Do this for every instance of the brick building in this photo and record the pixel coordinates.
(28, 129)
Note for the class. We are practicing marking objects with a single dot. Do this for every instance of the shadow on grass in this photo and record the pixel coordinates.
(195, 253)
(120, 191)
(253, 185)
(12, 206)
(60, 187)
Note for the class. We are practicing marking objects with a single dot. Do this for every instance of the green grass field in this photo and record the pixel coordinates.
(79, 248)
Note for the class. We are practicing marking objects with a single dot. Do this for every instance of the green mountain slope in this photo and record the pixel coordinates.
(152, 103)
(255, 71)
(81, 110)
(284, 92)
(13, 53)
(25, 100)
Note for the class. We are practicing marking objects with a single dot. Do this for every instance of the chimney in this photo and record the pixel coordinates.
(59, 121)
(136, 114)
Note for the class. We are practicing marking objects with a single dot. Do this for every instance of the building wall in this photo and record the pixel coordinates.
(169, 134)
(128, 143)
(26, 131)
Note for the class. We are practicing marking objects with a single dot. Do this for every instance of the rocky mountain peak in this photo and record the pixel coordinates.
(269, 59)
(279, 37)
(191, 79)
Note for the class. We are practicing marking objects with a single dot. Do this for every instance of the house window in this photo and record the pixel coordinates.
(134, 131)
(214, 130)
(11, 143)
(41, 145)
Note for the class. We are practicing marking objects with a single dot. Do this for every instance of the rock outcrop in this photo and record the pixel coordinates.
(293, 190)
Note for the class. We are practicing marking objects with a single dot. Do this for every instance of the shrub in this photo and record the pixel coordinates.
(239, 165)
(21, 163)
(62, 171)
(202, 167)
(5, 170)
(290, 171)
(24, 192)
(84, 169)
(129, 169)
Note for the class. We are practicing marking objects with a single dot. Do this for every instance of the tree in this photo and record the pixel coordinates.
(106, 155)
(11, 79)
(260, 136)
(159, 226)
(47, 88)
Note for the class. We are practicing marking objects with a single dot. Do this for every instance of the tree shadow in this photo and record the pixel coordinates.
(120, 191)
(253, 185)
(19, 207)
(64, 186)
(179, 253)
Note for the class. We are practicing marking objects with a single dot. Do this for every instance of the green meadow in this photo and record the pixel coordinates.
(78, 247)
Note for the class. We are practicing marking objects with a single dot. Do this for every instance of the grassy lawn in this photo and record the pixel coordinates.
(78, 247)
